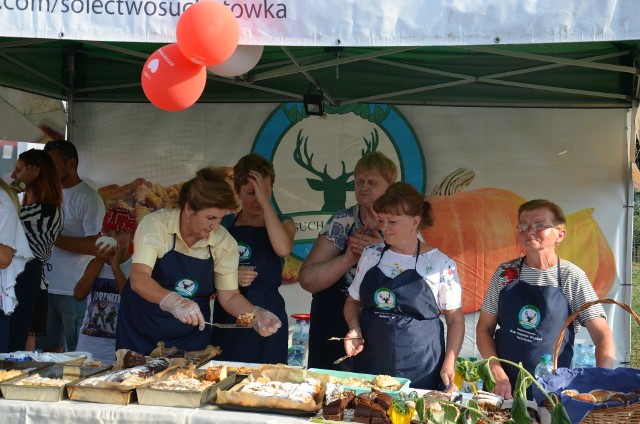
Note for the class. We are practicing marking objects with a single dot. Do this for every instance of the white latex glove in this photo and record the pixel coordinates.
(187, 311)
(264, 322)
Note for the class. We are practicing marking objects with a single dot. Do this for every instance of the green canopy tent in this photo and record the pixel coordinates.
(591, 74)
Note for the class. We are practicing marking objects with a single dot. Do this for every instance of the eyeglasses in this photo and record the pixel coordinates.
(525, 228)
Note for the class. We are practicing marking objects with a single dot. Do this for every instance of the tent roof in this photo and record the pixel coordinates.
(591, 74)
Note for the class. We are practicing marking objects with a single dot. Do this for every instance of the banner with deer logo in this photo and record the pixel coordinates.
(475, 165)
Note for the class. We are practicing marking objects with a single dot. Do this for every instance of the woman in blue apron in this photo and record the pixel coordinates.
(264, 238)
(531, 297)
(392, 311)
(330, 266)
(181, 257)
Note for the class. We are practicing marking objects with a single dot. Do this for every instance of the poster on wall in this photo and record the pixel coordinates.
(474, 165)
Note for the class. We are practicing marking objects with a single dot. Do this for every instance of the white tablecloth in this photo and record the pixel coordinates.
(68, 411)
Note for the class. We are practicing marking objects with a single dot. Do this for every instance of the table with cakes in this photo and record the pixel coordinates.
(172, 386)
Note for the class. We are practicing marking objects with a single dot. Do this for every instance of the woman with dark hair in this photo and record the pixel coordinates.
(264, 239)
(394, 303)
(40, 215)
(181, 257)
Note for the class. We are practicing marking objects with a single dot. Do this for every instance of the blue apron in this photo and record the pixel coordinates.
(327, 320)
(530, 320)
(141, 324)
(401, 326)
(248, 346)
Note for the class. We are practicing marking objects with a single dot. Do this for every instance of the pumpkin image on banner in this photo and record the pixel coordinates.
(476, 228)
(586, 246)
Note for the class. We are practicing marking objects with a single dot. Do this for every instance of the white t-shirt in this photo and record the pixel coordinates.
(437, 269)
(82, 213)
(98, 331)
(11, 235)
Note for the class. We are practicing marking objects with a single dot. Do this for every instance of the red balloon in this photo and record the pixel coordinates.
(208, 33)
(171, 81)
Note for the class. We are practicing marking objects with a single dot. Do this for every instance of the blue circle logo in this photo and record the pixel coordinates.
(529, 317)
(385, 299)
(315, 157)
(245, 251)
(186, 287)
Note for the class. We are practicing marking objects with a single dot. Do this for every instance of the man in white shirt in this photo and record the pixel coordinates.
(82, 213)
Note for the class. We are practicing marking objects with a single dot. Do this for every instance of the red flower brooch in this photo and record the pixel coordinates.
(510, 274)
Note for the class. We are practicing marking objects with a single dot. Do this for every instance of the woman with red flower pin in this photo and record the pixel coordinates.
(530, 299)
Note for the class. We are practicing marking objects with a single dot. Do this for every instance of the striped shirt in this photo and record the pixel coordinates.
(575, 286)
(42, 224)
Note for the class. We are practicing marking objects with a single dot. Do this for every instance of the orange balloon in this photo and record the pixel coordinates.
(208, 33)
(171, 81)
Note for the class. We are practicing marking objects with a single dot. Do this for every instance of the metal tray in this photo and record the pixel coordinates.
(343, 374)
(113, 395)
(100, 395)
(27, 367)
(181, 398)
(10, 390)
(260, 409)
(265, 410)
(213, 363)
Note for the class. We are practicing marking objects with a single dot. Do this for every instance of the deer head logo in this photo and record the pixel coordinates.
(385, 299)
(334, 188)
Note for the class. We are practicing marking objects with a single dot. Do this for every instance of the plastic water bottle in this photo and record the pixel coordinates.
(579, 356)
(544, 368)
(590, 356)
(297, 354)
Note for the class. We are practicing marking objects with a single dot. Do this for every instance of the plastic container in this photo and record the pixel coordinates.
(544, 367)
(298, 352)
(591, 356)
(579, 356)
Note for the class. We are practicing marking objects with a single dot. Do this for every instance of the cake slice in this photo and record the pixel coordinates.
(245, 320)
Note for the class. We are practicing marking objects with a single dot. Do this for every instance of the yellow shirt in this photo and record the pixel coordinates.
(155, 234)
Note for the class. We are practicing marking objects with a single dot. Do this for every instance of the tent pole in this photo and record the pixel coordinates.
(627, 260)
(70, 71)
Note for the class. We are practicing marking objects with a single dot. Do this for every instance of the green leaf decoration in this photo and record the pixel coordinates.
(559, 415)
(450, 413)
(468, 370)
(474, 411)
(295, 113)
(523, 382)
(420, 409)
(484, 371)
(519, 412)
(436, 417)
(462, 419)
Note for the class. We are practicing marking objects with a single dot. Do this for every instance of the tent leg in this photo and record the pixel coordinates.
(70, 68)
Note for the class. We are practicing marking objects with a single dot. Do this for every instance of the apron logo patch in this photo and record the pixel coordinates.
(529, 317)
(186, 287)
(245, 252)
(385, 299)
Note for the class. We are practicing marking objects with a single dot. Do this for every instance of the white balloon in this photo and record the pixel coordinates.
(243, 59)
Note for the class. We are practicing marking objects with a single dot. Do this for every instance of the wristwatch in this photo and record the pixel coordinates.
(18, 186)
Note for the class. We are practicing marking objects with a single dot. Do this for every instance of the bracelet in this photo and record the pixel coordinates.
(18, 186)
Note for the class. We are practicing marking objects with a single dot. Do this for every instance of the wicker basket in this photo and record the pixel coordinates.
(614, 415)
